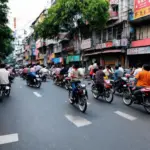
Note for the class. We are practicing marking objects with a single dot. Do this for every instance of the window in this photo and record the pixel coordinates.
(104, 35)
(110, 34)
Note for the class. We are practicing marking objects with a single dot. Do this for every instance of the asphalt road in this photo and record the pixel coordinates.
(42, 119)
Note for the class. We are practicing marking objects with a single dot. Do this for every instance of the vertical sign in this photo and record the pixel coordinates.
(15, 23)
(141, 8)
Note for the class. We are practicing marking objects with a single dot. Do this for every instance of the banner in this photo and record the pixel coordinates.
(141, 8)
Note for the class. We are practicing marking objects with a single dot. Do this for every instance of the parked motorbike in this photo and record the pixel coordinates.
(143, 97)
(4, 91)
(80, 98)
(107, 93)
(36, 81)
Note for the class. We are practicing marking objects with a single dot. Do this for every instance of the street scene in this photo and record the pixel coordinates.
(74, 74)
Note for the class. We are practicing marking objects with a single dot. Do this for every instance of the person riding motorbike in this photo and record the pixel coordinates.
(142, 79)
(31, 74)
(99, 79)
(4, 75)
(75, 79)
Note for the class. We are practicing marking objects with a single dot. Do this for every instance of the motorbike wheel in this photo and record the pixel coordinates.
(126, 98)
(95, 93)
(70, 98)
(7, 93)
(147, 105)
(66, 86)
(38, 84)
(109, 96)
(83, 104)
(28, 83)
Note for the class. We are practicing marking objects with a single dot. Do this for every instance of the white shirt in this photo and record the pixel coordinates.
(4, 76)
(81, 71)
(44, 71)
(137, 71)
(121, 69)
(95, 66)
(37, 68)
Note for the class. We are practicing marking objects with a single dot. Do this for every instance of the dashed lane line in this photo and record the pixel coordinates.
(37, 94)
(78, 121)
(10, 138)
(125, 115)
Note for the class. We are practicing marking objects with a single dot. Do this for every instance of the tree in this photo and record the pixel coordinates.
(5, 32)
(71, 14)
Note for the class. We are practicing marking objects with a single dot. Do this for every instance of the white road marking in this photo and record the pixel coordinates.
(37, 94)
(125, 115)
(10, 138)
(78, 121)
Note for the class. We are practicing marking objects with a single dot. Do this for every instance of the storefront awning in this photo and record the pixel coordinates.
(104, 52)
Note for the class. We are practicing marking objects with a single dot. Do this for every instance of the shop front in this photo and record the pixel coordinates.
(139, 55)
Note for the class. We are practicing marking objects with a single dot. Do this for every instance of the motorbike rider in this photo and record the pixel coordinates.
(100, 79)
(139, 69)
(32, 73)
(75, 79)
(44, 70)
(4, 75)
(142, 79)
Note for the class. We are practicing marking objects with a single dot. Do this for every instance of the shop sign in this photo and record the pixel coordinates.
(139, 43)
(86, 44)
(138, 51)
(141, 8)
(107, 45)
(124, 42)
(116, 43)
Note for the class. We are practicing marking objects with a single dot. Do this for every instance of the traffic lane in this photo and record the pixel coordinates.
(103, 120)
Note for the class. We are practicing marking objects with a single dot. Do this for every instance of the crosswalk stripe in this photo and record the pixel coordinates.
(37, 94)
(125, 115)
(78, 121)
(10, 138)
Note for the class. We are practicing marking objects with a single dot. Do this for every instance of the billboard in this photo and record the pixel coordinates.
(141, 8)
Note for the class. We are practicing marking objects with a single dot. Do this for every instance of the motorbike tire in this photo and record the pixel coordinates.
(109, 93)
(94, 94)
(147, 105)
(66, 86)
(126, 98)
(70, 98)
(38, 84)
(8, 93)
(83, 104)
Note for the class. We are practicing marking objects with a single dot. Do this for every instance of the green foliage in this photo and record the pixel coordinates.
(70, 14)
(5, 31)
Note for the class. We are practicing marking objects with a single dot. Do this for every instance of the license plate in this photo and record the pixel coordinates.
(7, 87)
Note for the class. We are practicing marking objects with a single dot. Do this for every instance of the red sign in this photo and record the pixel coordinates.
(145, 42)
(141, 8)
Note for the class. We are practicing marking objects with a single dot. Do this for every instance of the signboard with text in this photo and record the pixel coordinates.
(141, 8)
(138, 51)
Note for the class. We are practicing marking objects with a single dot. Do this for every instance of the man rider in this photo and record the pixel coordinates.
(4, 75)
(75, 76)
(142, 80)
(100, 79)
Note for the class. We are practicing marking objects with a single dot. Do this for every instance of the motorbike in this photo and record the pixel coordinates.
(118, 85)
(64, 82)
(36, 81)
(107, 93)
(143, 97)
(4, 91)
(11, 78)
(43, 77)
(80, 98)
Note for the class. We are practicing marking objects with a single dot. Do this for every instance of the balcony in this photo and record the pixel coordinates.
(113, 15)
